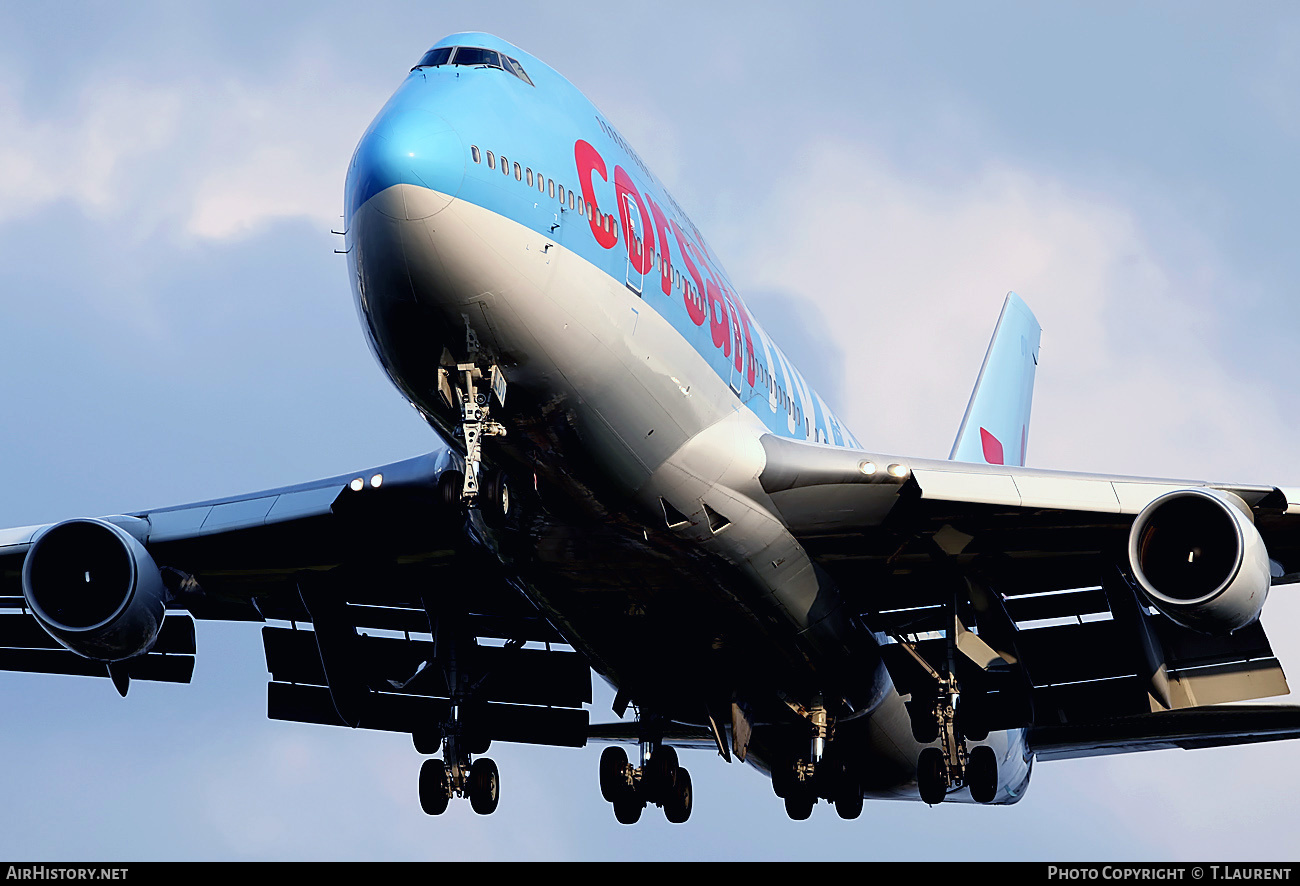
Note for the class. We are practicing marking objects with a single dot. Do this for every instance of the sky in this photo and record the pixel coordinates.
(174, 326)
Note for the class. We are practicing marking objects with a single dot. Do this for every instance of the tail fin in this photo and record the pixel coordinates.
(995, 429)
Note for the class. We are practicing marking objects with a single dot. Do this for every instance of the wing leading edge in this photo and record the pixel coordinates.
(1038, 564)
(383, 589)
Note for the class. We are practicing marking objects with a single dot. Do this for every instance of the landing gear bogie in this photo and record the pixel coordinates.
(660, 780)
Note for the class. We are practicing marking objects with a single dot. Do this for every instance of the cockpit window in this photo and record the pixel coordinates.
(517, 69)
(468, 55)
(439, 56)
(472, 56)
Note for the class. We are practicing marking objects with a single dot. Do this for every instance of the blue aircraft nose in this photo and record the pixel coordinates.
(406, 147)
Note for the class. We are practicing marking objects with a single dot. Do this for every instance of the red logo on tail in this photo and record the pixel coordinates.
(992, 448)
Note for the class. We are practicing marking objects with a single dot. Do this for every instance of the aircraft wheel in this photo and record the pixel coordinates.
(971, 720)
(848, 803)
(664, 771)
(982, 774)
(427, 741)
(627, 809)
(494, 498)
(434, 795)
(476, 743)
(677, 808)
(613, 774)
(799, 805)
(484, 786)
(785, 783)
(451, 485)
(931, 777)
(925, 726)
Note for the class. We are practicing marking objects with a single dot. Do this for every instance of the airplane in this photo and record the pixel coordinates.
(634, 479)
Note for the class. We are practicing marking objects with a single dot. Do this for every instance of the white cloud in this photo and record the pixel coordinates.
(212, 157)
(78, 157)
(910, 274)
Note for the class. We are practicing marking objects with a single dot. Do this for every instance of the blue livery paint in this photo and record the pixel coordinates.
(995, 429)
(426, 135)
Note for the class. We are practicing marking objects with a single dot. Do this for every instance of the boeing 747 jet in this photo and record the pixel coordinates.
(628, 476)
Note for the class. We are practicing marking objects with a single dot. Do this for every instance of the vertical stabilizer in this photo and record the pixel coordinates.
(995, 429)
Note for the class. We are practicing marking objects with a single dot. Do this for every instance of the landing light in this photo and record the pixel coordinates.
(376, 480)
(357, 485)
(899, 471)
(867, 467)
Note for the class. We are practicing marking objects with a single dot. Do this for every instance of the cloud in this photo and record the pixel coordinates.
(78, 157)
(910, 272)
(210, 157)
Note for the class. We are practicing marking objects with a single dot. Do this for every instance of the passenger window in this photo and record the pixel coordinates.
(541, 184)
(473, 152)
(505, 165)
(562, 197)
(571, 202)
(492, 162)
(530, 177)
(519, 172)
(550, 189)
(581, 209)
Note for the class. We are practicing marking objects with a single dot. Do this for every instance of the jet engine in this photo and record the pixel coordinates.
(1200, 560)
(94, 588)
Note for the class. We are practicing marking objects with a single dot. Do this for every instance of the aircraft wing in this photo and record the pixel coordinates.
(1030, 571)
(361, 581)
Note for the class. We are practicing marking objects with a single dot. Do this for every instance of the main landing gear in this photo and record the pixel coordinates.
(954, 764)
(660, 780)
(456, 774)
(978, 685)
(819, 776)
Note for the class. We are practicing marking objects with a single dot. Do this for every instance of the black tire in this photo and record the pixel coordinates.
(677, 808)
(925, 725)
(451, 484)
(475, 743)
(830, 778)
(783, 780)
(484, 786)
(848, 802)
(982, 774)
(799, 806)
(434, 795)
(628, 809)
(427, 741)
(664, 770)
(972, 719)
(613, 774)
(494, 500)
(931, 776)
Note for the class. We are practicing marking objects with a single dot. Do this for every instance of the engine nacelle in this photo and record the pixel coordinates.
(94, 588)
(1200, 560)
